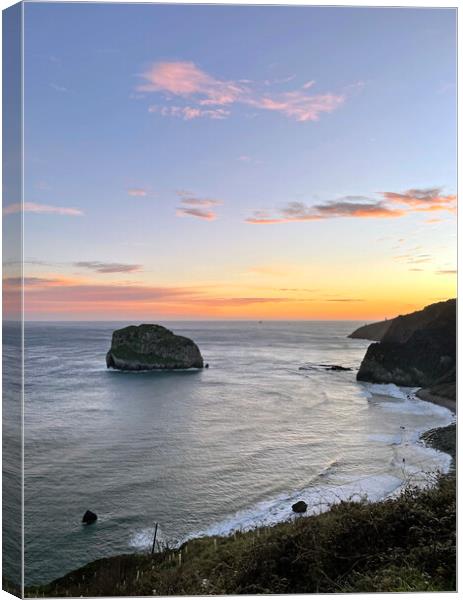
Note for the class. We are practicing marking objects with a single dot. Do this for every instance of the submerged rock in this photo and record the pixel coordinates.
(148, 347)
(299, 507)
(89, 517)
(317, 367)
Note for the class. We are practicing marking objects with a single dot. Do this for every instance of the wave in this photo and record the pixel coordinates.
(270, 512)
(387, 389)
(320, 495)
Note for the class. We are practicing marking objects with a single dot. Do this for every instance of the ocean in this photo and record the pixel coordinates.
(210, 451)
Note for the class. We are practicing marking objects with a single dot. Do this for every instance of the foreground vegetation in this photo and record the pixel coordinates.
(402, 544)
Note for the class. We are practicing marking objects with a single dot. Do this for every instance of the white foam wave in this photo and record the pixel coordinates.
(385, 438)
(387, 389)
(412, 464)
(279, 509)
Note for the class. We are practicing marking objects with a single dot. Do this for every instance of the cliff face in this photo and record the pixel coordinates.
(418, 349)
(373, 332)
(149, 347)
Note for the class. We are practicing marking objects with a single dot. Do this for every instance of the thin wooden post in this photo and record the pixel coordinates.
(154, 538)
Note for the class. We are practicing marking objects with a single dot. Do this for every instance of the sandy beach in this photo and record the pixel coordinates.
(449, 403)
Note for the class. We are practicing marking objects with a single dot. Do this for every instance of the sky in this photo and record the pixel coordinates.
(237, 162)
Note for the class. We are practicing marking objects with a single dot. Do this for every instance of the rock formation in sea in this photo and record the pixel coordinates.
(148, 347)
(418, 349)
(89, 517)
(299, 507)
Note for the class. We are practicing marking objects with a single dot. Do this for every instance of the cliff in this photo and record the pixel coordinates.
(418, 349)
(373, 331)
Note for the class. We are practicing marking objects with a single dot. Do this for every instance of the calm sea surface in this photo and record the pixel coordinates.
(203, 451)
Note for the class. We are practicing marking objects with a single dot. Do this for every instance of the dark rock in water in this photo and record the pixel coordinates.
(374, 331)
(299, 507)
(89, 517)
(314, 367)
(149, 347)
(418, 349)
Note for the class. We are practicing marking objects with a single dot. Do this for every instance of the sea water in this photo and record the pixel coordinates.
(210, 451)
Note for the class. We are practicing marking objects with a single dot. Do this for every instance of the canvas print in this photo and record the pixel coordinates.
(229, 287)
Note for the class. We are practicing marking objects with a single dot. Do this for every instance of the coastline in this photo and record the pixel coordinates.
(442, 439)
(274, 559)
(428, 396)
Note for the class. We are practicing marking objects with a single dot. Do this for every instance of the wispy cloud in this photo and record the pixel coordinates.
(299, 211)
(344, 300)
(187, 113)
(446, 272)
(199, 213)
(59, 88)
(389, 204)
(249, 160)
(413, 259)
(137, 192)
(187, 81)
(193, 206)
(105, 267)
(55, 294)
(41, 209)
(423, 200)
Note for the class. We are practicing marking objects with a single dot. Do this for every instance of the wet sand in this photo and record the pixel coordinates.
(424, 394)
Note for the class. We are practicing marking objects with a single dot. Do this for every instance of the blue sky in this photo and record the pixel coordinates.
(321, 106)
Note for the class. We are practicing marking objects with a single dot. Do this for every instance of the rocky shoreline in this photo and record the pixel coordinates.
(428, 396)
(443, 439)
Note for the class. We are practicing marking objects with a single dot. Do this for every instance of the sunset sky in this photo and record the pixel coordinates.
(213, 162)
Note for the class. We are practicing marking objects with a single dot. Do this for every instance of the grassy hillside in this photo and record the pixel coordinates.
(402, 544)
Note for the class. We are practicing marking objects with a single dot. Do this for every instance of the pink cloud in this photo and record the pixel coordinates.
(189, 113)
(41, 209)
(411, 201)
(191, 201)
(299, 212)
(186, 80)
(140, 192)
(192, 206)
(57, 295)
(207, 215)
(423, 200)
(299, 105)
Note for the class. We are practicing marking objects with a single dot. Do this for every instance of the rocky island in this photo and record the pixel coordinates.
(418, 349)
(149, 347)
